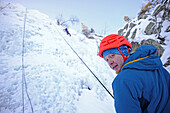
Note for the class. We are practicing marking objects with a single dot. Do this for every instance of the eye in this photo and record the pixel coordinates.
(112, 56)
(106, 60)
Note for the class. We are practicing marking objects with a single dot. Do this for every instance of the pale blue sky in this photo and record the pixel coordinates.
(101, 15)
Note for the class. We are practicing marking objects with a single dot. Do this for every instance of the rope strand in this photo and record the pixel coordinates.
(24, 83)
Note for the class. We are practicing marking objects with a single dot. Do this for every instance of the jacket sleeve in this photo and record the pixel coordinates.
(126, 95)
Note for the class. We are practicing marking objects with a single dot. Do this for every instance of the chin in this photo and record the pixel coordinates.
(117, 72)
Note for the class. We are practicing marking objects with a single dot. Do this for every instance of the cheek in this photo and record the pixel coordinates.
(120, 61)
(120, 64)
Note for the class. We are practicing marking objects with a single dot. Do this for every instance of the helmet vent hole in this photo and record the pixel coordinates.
(121, 41)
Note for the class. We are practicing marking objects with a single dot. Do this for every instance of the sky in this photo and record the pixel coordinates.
(104, 16)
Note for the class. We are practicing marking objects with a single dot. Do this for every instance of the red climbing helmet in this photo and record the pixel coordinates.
(112, 41)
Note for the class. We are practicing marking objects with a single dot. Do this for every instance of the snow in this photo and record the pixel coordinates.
(57, 81)
(89, 101)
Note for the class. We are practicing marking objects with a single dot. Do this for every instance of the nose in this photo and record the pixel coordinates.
(110, 62)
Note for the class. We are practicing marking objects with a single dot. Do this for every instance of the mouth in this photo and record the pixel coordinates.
(114, 68)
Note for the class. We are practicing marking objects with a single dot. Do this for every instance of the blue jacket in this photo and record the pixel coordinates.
(143, 85)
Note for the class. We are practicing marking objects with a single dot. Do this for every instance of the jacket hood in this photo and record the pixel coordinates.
(144, 58)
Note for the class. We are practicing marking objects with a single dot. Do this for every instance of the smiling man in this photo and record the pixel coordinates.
(142, 84)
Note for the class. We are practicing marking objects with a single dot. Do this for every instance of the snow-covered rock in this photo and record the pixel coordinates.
(151, 28)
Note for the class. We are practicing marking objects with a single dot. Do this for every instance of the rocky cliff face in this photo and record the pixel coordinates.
(150, 28)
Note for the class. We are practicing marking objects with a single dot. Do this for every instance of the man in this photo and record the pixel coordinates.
(142, 84)
(66, 30)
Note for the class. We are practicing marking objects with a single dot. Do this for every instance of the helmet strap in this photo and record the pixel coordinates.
(125, 57)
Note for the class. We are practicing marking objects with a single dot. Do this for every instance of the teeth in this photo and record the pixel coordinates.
(114, 66)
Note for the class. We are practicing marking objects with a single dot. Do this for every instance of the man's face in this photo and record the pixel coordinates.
(115, 61)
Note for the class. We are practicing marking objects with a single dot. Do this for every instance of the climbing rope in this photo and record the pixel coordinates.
(85, 64)
(24, 83)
